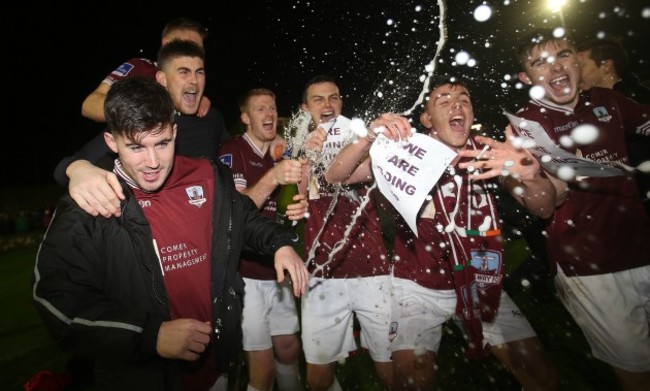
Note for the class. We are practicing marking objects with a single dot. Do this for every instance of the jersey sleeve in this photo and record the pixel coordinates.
(135, 67)
(230, 155)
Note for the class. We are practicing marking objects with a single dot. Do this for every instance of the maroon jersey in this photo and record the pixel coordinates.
(248, 165)
(458, 247)
(180, 216)
(602, 227)
(459, 225)
(362, 252)
(134, 67)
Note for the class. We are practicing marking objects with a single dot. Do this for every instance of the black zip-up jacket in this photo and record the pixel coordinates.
(98, 286)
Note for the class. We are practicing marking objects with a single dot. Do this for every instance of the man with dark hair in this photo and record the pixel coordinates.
(182, 73)
(345, 253)
(597, 235)
(154, 296)
(453, 267)
(176, 29)
(604, 63)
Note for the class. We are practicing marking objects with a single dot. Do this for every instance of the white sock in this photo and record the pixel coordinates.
(251, 388)
(335, 385)
(287, 377)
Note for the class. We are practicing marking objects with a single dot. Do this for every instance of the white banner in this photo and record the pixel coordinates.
(552, 157)
(405, 173)
(338, 135)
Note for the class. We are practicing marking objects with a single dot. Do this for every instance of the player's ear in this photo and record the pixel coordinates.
(523, 76)
(425, 119)
(608, 66)
(245, 118)
(110, 141)
(161, 78)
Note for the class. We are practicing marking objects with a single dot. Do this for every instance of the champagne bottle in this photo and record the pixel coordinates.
(284, 199)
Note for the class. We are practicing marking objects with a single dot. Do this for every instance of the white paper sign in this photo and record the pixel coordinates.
(551, 157)
(406, 172)
(338, 135)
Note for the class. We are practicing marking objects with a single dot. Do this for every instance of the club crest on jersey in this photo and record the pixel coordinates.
(195, 195)
(602, 114)
(123, 69)
(226, 159)
(487, 265)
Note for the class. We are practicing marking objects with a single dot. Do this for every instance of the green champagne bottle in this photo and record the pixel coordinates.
(284, 199)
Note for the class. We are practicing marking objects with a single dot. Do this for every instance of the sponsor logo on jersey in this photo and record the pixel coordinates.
(123, 69)
(226, 159)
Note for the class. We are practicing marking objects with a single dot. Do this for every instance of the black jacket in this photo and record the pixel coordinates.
(100, 291)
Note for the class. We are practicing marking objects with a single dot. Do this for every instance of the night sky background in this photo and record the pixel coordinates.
(377, 50)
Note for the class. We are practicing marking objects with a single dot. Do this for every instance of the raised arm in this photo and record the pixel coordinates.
(93, 106)
(352, 163)
(287, 171)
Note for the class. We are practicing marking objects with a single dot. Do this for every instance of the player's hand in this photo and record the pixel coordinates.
(500, 159)
(286, 258)
(287, 171)
(391, 125)
(95, 190)
(315, 140)
(204, 106)
(298, 210)
(183, 339)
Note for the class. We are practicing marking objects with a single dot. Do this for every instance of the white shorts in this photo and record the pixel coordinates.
(269, 309)
(613, 311)
(419, 313)
(327, 318)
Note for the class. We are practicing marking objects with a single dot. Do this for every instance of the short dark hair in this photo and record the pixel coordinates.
(537, 38)
(318, 79)
(182, 23)
(178, 48)
(607, 49)
(439, 80)
(243, 100)
(136, 105)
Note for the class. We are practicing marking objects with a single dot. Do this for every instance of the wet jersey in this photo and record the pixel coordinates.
(349, 246)
(602, 227)
(459, 225)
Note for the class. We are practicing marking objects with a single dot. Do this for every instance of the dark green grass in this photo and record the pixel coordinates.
(25, 347)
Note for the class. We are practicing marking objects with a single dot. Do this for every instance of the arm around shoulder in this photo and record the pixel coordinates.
(93, 106)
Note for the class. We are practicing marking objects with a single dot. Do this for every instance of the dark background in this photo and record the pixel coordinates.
(377, 49)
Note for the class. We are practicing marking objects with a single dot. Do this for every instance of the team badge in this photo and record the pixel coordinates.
(195, 195)
(487, 265)
(602, 114)
(226, 159)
